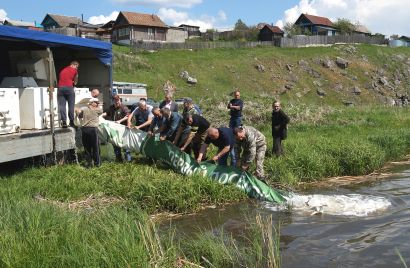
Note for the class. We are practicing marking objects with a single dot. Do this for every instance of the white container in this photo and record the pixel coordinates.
(82, 95)
(35, 108)
(9, 110)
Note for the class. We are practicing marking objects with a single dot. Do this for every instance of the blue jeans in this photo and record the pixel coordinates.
(66, 95)
(235, 122)
(223, 161)
(118, 156)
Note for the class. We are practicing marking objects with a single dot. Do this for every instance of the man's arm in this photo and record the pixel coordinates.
(201, 152)
(224, 151)
(148, 122)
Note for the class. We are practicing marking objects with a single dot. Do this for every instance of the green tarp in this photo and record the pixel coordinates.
(184, 164)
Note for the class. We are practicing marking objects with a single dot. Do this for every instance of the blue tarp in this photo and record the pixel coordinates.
(103, 50)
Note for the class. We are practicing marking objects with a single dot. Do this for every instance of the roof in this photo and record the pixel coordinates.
(361, 29)
(274, 29)
(187, 25)
(62, 20)
(317, 20)
(405, 38)
(103, 50)
(19, 23)
(143, 19)
(261, 25)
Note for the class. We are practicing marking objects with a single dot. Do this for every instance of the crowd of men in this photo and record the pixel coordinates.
(189, 130)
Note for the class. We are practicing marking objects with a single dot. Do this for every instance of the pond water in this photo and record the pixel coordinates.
(357, 226)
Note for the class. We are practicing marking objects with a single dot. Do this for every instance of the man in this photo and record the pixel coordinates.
(90, 121)
(252, 145)
(142, 115)
(95, 93)
(235, 106)
(156, 123)
(68, 78)
(279, 128)
(172, 121)
(118, 113)
(169, 103)
(199, 127)
(223, 139)
(184, 130)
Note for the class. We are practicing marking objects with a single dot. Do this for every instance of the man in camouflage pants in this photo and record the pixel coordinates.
(252, 145)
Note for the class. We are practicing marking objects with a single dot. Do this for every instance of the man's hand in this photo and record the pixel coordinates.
(162, 138)
(215, 158)
(149, 133)
(245, 167)
(182, 148)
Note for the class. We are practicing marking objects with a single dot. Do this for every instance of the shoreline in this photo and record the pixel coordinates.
(338, 181)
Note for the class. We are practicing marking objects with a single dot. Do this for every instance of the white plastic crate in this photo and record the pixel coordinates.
(35, 108)
(9, 110)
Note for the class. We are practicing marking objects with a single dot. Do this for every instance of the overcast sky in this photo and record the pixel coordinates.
(379, 16)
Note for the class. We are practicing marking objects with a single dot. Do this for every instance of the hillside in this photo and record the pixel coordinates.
(299, 77)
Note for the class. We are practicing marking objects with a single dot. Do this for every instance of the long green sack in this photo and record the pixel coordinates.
(184, 164)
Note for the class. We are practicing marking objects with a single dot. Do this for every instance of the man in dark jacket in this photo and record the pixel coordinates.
(279, 128)
(235, 106)
(172, 121)
(224, 140)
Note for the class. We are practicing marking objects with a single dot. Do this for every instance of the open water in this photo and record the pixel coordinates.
(360, 226)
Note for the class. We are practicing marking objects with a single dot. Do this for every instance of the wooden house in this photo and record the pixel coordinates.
(315, 25)
(361, 30)
(22, 24)
(193, 31)
(131, 27)
(71, 26)
(270, 33)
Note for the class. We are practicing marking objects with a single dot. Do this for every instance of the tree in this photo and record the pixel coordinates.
(240, 26)
(291, 29)
(344, 26)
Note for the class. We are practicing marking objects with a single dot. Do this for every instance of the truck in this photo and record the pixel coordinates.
(30, 61)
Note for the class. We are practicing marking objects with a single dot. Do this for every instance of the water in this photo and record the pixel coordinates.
(358, 226)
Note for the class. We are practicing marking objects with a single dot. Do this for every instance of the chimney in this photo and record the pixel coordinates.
(82, 18)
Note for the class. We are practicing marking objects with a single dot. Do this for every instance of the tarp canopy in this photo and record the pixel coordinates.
(103, 50)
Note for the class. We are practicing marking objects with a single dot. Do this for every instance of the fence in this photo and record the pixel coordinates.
(198, 45)
(317, 40)
(295, 41)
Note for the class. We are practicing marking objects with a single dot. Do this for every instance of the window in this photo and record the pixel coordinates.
(150, 33)
(123, 31)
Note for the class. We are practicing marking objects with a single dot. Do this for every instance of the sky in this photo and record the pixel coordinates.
(379, 16)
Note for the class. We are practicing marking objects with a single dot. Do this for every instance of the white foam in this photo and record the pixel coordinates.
(344, 205)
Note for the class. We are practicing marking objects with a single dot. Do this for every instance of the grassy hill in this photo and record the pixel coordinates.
(296, 76)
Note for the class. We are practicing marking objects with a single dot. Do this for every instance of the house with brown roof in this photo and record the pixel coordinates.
(315, 25)
(71, 26)
(131, 27)
(270, 33)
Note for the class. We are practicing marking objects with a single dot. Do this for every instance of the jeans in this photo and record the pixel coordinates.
(223, 161)
(66, 95)
(235, 122)
(118, 156)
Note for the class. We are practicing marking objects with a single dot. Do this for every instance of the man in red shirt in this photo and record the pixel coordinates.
(67, 79)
